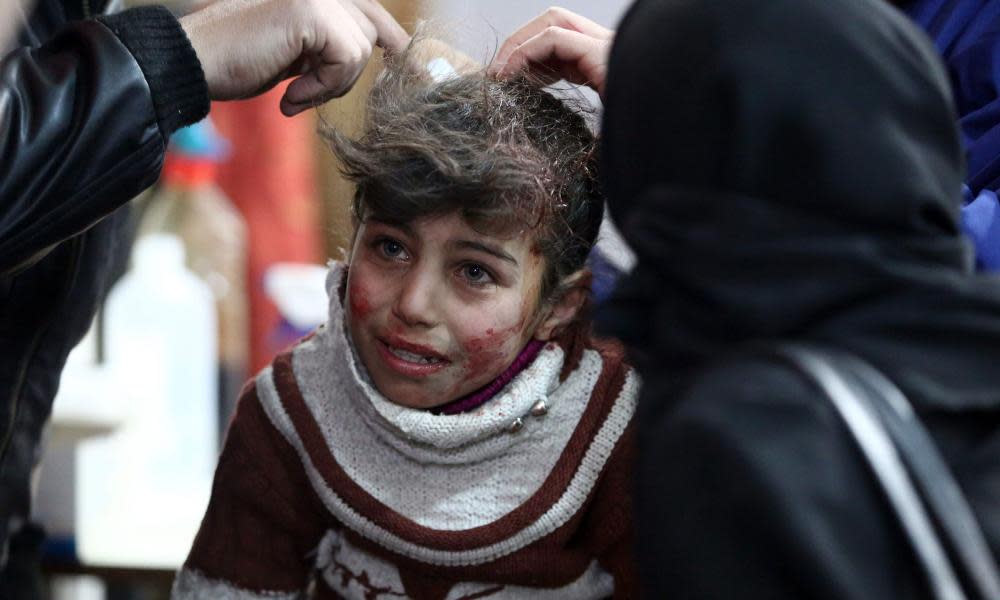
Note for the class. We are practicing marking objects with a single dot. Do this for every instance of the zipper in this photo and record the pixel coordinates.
(76, 244)
(86, 9)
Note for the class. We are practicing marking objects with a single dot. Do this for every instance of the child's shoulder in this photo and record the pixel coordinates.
(600, 365)
(576, 342)
(612, 351)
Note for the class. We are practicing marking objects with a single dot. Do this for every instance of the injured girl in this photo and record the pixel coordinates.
(453, 430)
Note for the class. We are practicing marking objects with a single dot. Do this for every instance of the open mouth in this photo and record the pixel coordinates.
(412, 357)
(410, 360)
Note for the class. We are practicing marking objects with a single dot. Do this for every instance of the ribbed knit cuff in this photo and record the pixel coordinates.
(168, 61)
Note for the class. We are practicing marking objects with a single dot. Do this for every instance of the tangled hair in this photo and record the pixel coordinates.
(508, 156)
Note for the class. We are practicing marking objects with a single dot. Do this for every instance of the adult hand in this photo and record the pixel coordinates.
(247, 46)
(557, 44)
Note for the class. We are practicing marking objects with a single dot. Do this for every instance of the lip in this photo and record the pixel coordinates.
(405, 367)
(398, 342)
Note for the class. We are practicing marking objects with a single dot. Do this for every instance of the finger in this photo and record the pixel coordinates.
(290, 110)
(575, 50)
(311, 90)
(360, 31)
(364, 23)
(364, 42)
(323, 83)
(553, 17)
(391, 35)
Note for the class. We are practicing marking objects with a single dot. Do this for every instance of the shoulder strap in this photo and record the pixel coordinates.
(930, 506)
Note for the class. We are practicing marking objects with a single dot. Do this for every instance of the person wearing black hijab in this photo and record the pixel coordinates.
(790, 171)
(786, 171)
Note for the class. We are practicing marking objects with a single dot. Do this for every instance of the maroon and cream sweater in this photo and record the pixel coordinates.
(326, 489)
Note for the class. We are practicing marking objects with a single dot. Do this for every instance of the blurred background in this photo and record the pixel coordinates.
(226, 272)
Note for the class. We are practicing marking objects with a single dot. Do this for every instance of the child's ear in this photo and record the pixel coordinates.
(564, 310)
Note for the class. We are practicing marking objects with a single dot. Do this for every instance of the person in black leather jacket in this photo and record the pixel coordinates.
(86, 108)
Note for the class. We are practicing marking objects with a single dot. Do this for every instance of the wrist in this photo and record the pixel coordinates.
(197, 31)
(168, 61)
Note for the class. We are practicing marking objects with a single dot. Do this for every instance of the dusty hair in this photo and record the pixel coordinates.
(508, 156)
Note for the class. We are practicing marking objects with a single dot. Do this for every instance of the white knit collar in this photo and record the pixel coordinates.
(404, 426)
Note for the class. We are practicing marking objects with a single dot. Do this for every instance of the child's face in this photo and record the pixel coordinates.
(437, 310)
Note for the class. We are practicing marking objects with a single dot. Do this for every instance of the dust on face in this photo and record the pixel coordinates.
(437, 309)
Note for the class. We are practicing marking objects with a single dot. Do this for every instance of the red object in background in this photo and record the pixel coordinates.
(270, 177)
(188, 172)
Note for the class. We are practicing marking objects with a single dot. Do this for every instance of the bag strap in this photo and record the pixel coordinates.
(930, 506)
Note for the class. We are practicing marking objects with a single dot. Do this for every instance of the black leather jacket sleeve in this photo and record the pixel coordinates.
(84, 120)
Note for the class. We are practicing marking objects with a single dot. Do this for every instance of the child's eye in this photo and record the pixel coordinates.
(476, 274)
(390, 248)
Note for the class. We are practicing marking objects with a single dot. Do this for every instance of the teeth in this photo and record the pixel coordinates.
(414, 358)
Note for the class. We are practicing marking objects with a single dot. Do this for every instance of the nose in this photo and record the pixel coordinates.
(415, 305)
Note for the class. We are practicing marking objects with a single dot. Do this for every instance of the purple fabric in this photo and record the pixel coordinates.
(483, 394)
(967, 34)
(981, 222)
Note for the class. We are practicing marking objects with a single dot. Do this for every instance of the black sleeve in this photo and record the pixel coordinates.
(749, 487)
(84, 121)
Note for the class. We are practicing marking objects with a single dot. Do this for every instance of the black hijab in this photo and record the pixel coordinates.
(791, 170)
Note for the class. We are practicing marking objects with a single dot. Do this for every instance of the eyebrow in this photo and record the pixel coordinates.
(487, 248)
(400, 226)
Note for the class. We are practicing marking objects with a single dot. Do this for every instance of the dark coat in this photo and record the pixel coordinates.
(790, 171)
(85, 114)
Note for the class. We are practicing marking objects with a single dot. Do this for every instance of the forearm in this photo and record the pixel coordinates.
(85, 120)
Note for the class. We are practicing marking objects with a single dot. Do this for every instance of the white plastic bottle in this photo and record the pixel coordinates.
(144, 488)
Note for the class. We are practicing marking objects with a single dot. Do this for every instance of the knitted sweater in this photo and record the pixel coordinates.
(325, 485)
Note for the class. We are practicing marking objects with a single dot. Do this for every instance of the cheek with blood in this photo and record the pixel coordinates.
(359, 301)
(487, 352)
